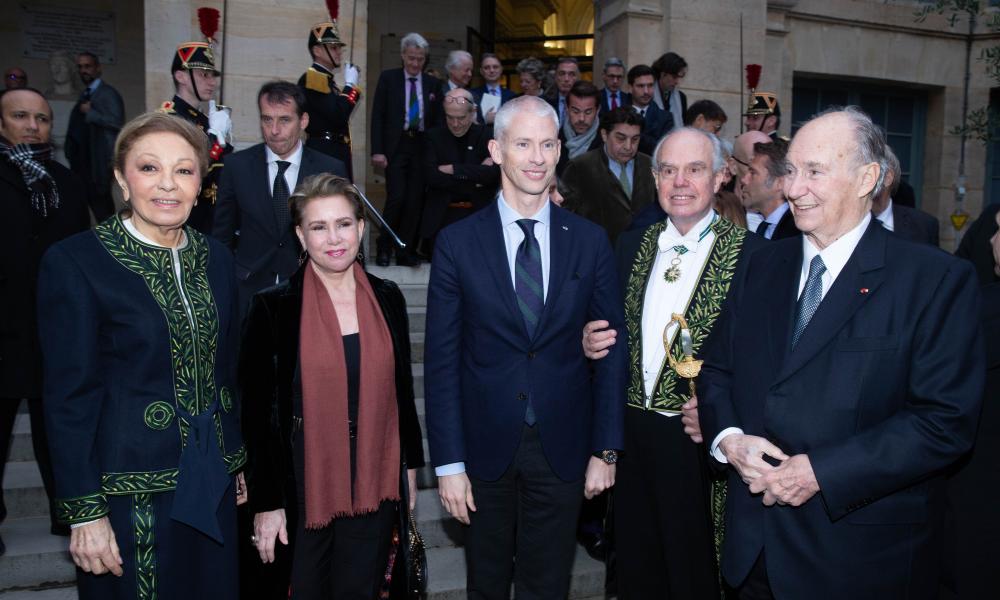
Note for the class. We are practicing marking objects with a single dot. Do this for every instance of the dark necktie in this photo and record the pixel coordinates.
(762, 229)
(614, 101)
(529, 287)
(413, 111)
(642, 113)
(85, 97)
(279, 195)
(812, 295)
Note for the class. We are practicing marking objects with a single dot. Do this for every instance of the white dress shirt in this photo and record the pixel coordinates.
(662, 299)
(291, 173)
(835, 256)
(886, 217)
(512, 238)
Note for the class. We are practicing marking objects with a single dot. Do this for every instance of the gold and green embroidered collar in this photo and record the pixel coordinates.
(188, 308)
(701, 313)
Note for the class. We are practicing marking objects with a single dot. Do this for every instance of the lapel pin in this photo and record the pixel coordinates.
(864, 290)
(565, 228)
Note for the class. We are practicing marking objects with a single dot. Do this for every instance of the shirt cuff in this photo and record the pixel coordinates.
(75, 525)
(450, 469)
(715, 451)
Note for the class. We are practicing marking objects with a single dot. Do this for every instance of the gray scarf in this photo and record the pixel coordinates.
(577, 144)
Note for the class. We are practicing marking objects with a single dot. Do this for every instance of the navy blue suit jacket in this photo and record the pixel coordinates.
(482, 367)
(881, 393)
(624, 99)
(477, 95)
(653, 128)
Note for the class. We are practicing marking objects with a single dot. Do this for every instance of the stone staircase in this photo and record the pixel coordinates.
(36, 559)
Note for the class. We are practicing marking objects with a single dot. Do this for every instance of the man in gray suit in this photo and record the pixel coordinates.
(251, 210)
(909, 223)
(93, 127)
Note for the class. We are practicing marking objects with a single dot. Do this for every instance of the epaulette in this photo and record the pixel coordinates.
(317, 82)
(167, 107)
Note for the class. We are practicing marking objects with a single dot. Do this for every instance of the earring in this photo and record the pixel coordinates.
(303, 257)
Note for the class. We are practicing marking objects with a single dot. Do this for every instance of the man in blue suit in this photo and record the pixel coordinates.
(655, 120)
(491, 70)
(844, 376)
(520, 428)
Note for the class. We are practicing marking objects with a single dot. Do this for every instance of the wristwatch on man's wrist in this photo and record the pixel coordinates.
(608, 456)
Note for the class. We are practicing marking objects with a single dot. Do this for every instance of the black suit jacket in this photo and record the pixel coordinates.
(624, 99)
(914, 224)
(26, 238)
(881, 393)
(975, 245)
(786, 227)
(591, 190)
(389, 108)
(654, 126)
(472, 181)
(662, 105)
(245, 219)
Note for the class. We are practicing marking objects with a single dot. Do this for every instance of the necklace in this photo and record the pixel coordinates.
(673, 272)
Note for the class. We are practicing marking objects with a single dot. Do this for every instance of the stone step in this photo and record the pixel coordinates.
(417, 348)
(403, 275)
(415, 295)
(34, 557)
(23, 492)
(418, 318)
(446, 575)
(20, 444)
(64, 592)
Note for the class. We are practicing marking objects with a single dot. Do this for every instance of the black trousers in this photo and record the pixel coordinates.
(663, 527)
(404, 187)
(39, 441)
(529, 516)
(345, 560)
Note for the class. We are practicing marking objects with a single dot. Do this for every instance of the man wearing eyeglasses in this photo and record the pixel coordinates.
(15, 78)
(461, 176)
(665, 530)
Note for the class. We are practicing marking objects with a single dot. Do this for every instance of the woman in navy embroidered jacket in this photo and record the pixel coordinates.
(139, 332)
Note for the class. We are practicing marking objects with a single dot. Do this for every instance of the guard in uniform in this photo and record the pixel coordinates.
(195, 79)
(763, 114)
(328, 106)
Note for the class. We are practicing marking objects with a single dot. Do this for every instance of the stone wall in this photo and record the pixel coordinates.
(854, 40)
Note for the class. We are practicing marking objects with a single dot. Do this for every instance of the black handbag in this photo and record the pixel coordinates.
(416, 561)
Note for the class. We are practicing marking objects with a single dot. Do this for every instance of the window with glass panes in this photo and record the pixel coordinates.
(900, 111)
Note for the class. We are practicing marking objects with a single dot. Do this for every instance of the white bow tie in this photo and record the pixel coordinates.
(668, 242)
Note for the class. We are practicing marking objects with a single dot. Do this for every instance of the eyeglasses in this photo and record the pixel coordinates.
(458, 100)
(14, 77)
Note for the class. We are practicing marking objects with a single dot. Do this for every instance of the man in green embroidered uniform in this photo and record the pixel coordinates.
(683, 265)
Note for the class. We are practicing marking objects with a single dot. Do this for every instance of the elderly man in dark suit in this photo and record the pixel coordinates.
(461, 176)
(90, 139)
(520, 425)
(251, 213)
(42, 202)
(407, 103)
(907, 222)
(642, 81)
(843, 377)
(610, 184)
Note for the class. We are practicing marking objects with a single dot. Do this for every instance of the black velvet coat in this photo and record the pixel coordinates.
(268, 360)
